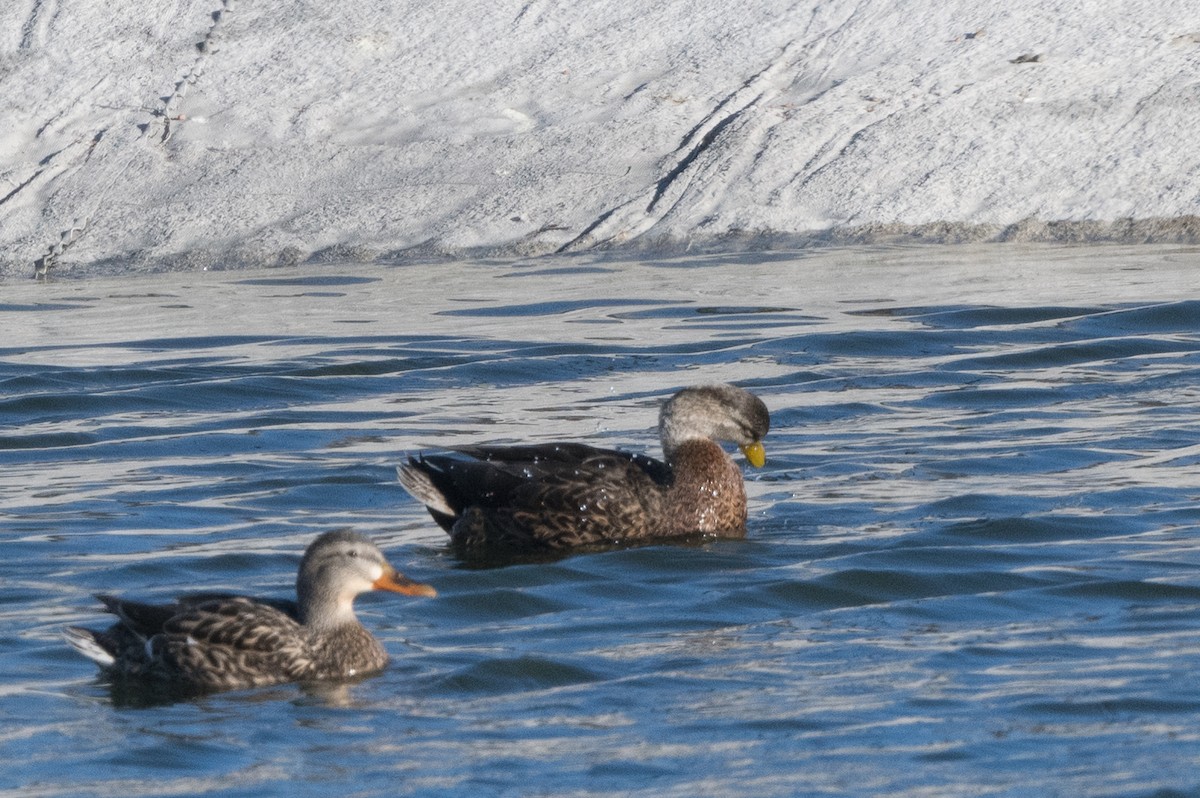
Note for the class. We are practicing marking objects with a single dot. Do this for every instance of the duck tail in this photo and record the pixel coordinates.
(416, 480)
(90, 644)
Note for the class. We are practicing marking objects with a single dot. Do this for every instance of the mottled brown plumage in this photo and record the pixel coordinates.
(563, 495)
(208, 642)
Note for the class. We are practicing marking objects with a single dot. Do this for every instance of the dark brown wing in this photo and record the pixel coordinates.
(548, 455)
(546, 496)
(139, 617)
(126, 639)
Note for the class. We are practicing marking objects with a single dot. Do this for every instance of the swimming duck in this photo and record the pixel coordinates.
(562, 495)
(209, 642)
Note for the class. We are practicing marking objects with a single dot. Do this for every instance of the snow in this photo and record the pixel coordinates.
(200, 134)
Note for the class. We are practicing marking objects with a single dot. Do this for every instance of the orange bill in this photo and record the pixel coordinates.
(397, 582)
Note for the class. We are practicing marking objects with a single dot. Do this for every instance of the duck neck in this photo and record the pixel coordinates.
(708, 485)
(324, 609)
(702, 460)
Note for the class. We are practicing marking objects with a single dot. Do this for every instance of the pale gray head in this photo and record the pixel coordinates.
(337, 567)
(715, 412)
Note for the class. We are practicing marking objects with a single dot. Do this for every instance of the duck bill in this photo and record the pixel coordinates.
(396, 582)
(755, 453)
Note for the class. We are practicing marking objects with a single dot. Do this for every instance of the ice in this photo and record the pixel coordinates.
(212, 135)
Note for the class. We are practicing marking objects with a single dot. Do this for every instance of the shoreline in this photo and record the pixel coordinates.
(1177, 231)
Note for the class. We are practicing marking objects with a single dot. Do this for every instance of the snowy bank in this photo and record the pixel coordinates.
(209, 134)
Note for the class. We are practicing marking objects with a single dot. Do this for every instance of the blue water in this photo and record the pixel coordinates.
(972, 568)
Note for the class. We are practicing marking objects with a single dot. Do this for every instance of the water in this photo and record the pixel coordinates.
(972, 565)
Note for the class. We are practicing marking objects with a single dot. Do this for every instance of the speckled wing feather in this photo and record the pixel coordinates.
(147, 619)
(602, 500)
(233, 642)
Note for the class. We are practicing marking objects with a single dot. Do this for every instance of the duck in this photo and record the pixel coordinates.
(209, 642)
(555, 496)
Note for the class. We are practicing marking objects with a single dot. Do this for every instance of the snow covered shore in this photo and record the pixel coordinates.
(227, 133)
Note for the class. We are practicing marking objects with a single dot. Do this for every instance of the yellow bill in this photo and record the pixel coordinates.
(755, 453)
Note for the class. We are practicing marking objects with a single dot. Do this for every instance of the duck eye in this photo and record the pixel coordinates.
(353, 552)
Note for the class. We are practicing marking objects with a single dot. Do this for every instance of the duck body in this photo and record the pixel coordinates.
(565, 495)
(214, 641)
(227, 643)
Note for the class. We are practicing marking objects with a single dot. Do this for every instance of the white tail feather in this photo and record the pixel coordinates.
(84, 641)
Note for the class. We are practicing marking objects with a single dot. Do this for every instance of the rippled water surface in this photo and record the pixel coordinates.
(972, 565)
